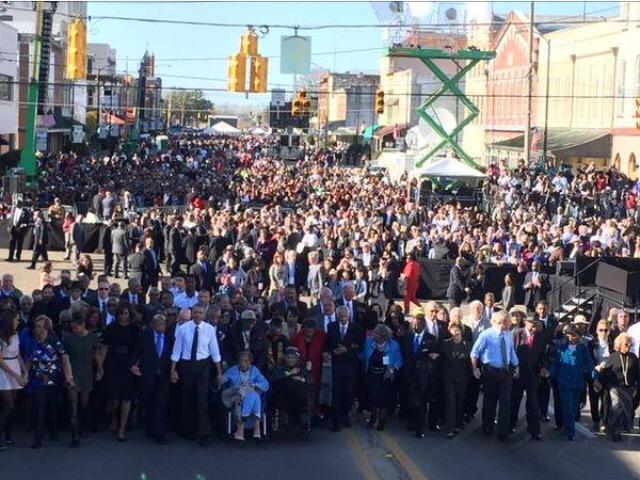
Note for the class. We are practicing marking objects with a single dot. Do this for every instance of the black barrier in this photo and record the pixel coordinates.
(92, 236)
(434, 279)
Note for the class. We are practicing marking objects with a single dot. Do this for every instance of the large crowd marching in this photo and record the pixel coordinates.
(264, 292)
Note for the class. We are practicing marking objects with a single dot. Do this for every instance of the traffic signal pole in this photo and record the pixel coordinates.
(28, 153)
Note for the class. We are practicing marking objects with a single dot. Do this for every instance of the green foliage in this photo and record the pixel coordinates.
(189, 106)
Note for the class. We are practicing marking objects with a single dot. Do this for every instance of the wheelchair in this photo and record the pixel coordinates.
(231, 415)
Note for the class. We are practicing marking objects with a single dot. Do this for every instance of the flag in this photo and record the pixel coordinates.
(537, 137)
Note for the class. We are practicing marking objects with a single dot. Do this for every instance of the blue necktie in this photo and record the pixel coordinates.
(416, 344)
(159, 345)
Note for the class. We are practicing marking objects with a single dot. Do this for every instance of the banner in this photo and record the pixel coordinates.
(78, 134)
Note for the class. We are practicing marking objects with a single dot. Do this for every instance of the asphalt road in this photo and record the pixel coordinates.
(354, 453)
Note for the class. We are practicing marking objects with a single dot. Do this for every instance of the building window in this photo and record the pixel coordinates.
(6, 88)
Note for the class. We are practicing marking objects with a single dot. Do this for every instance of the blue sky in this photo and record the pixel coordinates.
(171, 42)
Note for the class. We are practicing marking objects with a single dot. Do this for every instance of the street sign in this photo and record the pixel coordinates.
(41, 139)
(295, 54)
(78, 134)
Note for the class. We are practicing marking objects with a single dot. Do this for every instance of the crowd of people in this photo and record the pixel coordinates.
(265, 291)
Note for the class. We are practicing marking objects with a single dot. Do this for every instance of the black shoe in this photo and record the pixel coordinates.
(335, 428)
(450, 435)
(596, 427)
(380, 427)
(502, 438)
(163, 441)
(487, 432)
(571, 438)
(434, 428)
(203, 442)
(536, 436)
(30, 267)
(8, 259)
(419, 435)
(544, 418)
(346, 422)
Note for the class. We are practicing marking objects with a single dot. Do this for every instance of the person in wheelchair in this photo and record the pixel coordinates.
(291, 392)
(243, 386)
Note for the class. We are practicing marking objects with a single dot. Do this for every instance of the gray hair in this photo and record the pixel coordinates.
(342, 309)
(25, 298)
(157, 317)
(383, 331)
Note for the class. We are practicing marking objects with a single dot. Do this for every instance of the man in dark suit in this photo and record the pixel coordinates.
(536, 286)
(438, 330)
(19, 225)
(419, 352)
(358, 311)
(150, 266)
(458, 287)
(40, 239)
(136, 263)
(530, 349)
(190, 244)
(133, 294)
(107, 248)
(327, 316)
(248, 334)
(153, 365)
(290, 301)
(203, 271)
(547, 324)
(296, 270)
(175, 246)
(77, 238)
(345, 340)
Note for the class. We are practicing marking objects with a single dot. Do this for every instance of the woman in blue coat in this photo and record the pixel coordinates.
(244, 384)
(569, 367)
(382, 359)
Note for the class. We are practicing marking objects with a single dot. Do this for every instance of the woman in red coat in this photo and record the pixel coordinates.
(411, 274)
(310, 343)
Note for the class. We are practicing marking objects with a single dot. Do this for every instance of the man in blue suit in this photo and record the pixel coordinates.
(153, 365)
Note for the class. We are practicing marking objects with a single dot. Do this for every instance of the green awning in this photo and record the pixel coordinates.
(369, 131)
(567, 143)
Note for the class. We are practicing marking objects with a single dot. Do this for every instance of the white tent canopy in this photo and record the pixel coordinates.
(223, 128)
(447, 168)
(259, 131)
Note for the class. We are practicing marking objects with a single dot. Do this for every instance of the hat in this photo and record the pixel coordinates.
(292, 351)
(580, 320)
(418, 312)
(248, 315)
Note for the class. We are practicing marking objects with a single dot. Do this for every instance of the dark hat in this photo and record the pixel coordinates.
(292, 351)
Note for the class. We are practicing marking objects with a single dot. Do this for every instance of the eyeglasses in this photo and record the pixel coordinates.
(102, 288)
(603, 329)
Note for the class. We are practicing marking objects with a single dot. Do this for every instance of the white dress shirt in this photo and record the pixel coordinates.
(634, 332)
(182, 300)
(207, 342)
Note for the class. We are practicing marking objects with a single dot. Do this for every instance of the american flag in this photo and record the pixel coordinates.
(536, 139)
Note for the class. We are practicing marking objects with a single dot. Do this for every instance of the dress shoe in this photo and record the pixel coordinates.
(419, 435)
(596, 427)
(31, 268)
(536, 436)
(571, 438)
(502, 438)
(544, 418)
(335, 428)
(203, 442)
(450, 435)
(346, 422)
(487, 432)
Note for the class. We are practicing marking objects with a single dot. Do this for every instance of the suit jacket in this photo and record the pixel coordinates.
(534, 294)
(119, 243)
(40, 233)
(190, 245)
(282, 308)
(548, 328)
(258, 344)
(319, 319)
(136, 261)
(457, 284)
(418, 369)
(125, 297)
(531, 359)
(346, 364)
(361, 311)
(205, 279)
(314, 279)
(77, 235)
(175, 242)
(150, 269)
(151, 365)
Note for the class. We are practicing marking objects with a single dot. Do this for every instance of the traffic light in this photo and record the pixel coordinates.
(637, 115)
(306, 103)
(258, 74)
(379, 101)
(296, 106)
(249, 44)
(76, 50)
(236, 73)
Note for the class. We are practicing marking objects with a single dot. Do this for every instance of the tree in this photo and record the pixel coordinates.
(188, 105)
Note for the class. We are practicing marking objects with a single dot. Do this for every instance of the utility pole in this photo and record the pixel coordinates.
(527, 132)
(546, 105)
(27, 156)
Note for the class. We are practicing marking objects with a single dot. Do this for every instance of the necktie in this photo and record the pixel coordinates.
(416, 344)
(103, 309)
(194, 345)
(204, 267)
(343, 331)
(159, 345)
(503, 351)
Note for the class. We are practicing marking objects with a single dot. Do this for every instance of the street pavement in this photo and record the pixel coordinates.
(355, 453)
